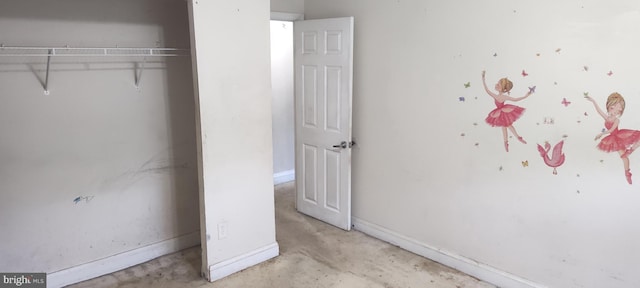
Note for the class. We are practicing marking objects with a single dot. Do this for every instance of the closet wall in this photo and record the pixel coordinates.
(98, 167)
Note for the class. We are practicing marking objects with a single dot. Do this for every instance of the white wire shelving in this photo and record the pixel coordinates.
(50, 52)
(15, 51)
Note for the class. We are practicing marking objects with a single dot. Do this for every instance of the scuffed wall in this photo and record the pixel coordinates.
(99, 166)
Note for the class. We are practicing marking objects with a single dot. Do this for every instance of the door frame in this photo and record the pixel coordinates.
(286, 16)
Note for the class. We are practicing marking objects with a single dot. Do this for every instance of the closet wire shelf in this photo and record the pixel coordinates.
(82, 52)
(14, 51)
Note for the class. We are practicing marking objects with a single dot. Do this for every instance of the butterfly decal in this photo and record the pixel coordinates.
(524, 73)
(609, 73)
(532, 89)
(461, 99)
(525, 163)
(467, 85)
(565, 102)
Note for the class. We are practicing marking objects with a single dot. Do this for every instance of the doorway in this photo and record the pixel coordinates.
(282, 106)
(311, 112)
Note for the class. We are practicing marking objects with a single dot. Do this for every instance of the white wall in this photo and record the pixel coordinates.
(230, 47)
(430, 171)
(282, 93)
(289, 6)
(127, 154)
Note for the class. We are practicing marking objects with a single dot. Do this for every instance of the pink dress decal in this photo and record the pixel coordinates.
(618, 139)
(504, 115)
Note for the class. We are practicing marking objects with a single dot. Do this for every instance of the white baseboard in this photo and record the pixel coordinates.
(481, 271)
(284, 177)
(236, 264)
(121, 261)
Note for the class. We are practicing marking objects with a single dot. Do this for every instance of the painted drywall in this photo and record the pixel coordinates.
(232, 74)
(282, 93)
(98, 167)
(289, 6)
(428, 168)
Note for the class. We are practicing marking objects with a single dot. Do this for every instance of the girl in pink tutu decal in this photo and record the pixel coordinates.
(504, 114)
(623, 141)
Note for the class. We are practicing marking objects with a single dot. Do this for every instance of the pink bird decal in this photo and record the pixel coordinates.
(557, 157)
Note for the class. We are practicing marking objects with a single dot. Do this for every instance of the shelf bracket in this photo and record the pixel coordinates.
(138, 72)
(46, 77)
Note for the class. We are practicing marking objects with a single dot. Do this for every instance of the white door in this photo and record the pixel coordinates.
(323, 53)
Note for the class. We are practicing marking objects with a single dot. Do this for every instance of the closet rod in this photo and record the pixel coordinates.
(15, 51)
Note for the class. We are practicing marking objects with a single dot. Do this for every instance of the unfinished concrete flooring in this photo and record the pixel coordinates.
(312, 254)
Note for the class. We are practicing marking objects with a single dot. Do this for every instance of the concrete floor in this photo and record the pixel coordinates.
(312, 254)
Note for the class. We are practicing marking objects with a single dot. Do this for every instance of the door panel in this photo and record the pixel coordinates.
(310, 172)
(310, 96)
(333, 99)
(323, 53)
(332, 186)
